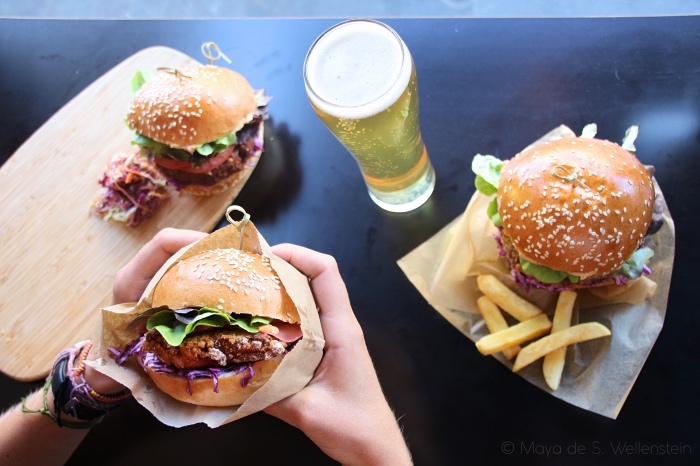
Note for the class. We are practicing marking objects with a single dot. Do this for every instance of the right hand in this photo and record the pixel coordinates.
(342, 409)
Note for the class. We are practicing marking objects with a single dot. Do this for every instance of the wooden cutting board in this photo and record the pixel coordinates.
(58, 261)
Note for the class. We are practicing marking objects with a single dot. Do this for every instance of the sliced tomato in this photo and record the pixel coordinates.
(208, 165)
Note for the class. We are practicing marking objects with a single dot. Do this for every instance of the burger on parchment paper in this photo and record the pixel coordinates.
(597, 377)
(221, 333)
(572, 213)
(200, 125)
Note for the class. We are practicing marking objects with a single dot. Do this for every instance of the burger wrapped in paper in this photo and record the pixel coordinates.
(572, 213)
(200, 125)
(220, 333)
(220, 324)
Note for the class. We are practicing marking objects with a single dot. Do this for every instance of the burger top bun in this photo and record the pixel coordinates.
(577, 205)
(198, 105)
(229, 280)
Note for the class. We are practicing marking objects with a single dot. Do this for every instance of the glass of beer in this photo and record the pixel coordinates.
(361, 81)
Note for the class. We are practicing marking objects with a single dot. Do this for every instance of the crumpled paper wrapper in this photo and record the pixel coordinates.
(598, 374)
(294, 372)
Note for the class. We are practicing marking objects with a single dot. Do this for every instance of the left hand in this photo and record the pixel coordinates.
(131, 280)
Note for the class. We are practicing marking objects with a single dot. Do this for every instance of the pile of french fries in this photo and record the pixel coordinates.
(551, 337)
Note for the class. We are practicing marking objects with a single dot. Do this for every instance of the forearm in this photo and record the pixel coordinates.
(34, 433)
(363, 438)
(372, 438)
(379, 446)
(33, 438)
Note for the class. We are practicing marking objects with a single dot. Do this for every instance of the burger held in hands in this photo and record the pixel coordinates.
(224, 325)
(220, 324)
(200, 125)
(572, 213)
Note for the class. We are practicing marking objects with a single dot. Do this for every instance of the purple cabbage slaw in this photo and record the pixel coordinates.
(527, 282)
(132, 190)
(150, 360)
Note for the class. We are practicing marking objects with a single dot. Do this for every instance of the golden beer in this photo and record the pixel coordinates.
(362, 83)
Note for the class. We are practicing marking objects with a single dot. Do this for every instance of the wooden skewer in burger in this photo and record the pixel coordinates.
(200, 125)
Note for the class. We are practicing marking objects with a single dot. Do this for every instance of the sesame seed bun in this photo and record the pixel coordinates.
(232, 281)
(230, 389)
(200, 105)
(227, 279)
(577, 205)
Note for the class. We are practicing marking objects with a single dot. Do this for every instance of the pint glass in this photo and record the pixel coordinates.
(361, 81)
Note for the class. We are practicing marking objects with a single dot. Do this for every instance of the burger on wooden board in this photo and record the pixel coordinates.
(200, 125)
(572, 213)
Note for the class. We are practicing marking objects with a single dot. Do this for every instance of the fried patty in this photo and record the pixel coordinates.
(214, 348)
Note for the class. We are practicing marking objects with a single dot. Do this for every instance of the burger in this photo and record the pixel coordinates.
(200, 125)
(220, 324)
(571, 213)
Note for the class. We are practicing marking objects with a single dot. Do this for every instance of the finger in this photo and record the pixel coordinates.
(161, 248)
(322, 270)
(132, 279)
(337, 317)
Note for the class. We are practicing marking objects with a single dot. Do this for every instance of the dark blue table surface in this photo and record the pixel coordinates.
(486, 85)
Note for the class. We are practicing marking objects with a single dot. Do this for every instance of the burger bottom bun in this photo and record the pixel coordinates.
(214, 189)
(230, 393)
(595, 282)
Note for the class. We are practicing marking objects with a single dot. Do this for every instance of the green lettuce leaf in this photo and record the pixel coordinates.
(484, 187)
(545, 274)
(634, 266)
(492, 212)
(209, 148)
(630, 136)
(219, 145)
(488, 173)
(140, 78)
(174, 330)
(146, 143)
(589, 131)
(261, 98)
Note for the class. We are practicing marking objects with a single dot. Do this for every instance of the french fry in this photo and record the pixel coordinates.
(569, 336)
(515, 335)
(507, 299)
(495, 322)
(553, 363)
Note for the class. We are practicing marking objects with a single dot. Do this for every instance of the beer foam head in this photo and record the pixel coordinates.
(357, 69)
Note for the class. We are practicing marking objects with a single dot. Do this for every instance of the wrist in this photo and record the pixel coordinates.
(101, 383)
(387, 448)
(69, 397)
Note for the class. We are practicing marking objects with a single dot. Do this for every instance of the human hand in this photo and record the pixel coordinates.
(342, 409)
(132, 279)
